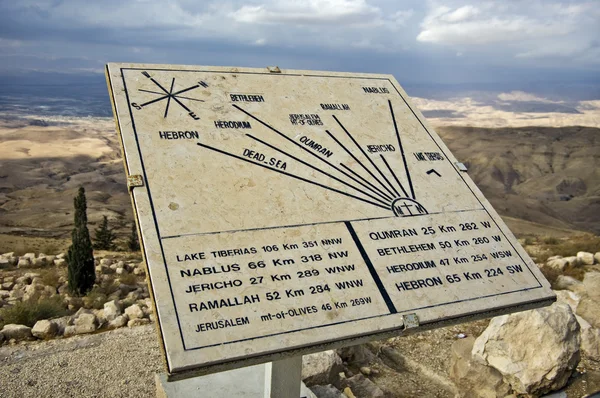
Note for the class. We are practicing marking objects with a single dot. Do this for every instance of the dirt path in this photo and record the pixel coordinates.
(119, 363)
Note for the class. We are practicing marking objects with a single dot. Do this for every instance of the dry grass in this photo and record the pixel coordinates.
(51, 275)
(128, 279)
(29, 312)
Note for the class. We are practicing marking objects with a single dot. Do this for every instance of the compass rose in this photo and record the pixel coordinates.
(168, 95)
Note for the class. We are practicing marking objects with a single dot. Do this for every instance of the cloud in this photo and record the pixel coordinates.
(521, 96)
(525, 29)
(309, 12)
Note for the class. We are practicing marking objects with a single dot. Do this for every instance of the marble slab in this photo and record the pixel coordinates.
(282, 213)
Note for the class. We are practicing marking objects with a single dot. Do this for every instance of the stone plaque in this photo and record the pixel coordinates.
(283, 213)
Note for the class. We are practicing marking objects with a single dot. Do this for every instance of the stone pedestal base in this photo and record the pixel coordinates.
(246, 382)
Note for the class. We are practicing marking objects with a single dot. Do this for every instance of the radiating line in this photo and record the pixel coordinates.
(293, 176)
(368, 158)
(317, 169)
(394, 174)
(412, 191)
(381, 193)
(300, 146)
(169, 99)
(356, 160)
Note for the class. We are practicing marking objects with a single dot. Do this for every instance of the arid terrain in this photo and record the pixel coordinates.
(546, 181)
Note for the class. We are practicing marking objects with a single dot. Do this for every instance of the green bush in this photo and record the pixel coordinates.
(29, 312)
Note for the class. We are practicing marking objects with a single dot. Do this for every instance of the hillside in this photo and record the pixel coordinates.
(547, 176)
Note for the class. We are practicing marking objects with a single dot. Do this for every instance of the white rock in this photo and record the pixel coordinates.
(4, 294)
(473, 379)
(86, 320)
(139, 271)
(118, 322)
(30, 256)
(591, 282)
(134, 312)
(23, 263)
(569, 298)
(558, 264)
(60, 256)
(112, 309)
(321, 367)
(585, 258)
(121, 271)
(44, 329)
(106, 261)
(5, 263)
(60, 262)
(572, 261)
(597, 258)
(17, 332)
(590, 339)
(137, 322)
(535, 351)
(565, 282)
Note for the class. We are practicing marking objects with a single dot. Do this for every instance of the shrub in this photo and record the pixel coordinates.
(95, 298)
(128, 279)
(133, 243)
(50, 276)
(104, 238)
(29, 312)
(550, 240)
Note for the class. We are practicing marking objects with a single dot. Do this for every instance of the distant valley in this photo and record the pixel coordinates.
(548, 176)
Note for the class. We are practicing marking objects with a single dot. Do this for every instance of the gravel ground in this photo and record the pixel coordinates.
(119, 363)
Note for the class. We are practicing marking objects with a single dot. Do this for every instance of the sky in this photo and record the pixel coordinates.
(509, 42)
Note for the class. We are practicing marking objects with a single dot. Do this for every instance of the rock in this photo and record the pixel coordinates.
(590, 339)
(363, 387)
(348, 393)
(60, 256)
(4, 294)
(38, 262)
(62, 322)
(471, 378)
(138, 322)
(365, 370)
(118, 322)
(106, 261)
(597, 258)
(85, 319)
(557, 264)
(358, 355)
(569, 298)
(573, 261)
(121, 271)
(23, 263)
(17, 332)
(84, 323)
(4, 263)
(134, 312)
(321, 367)
(112, 309)
(139, 271)
(29, 256)
(564, 282)
(589, 310)
(60, 262)
(585, 258)
(327, 391)
(44, 329)
(591, 282)
(535, 351)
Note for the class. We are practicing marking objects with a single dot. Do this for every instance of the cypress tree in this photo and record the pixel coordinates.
(133, 243)
(80, 257)
(104, 236)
